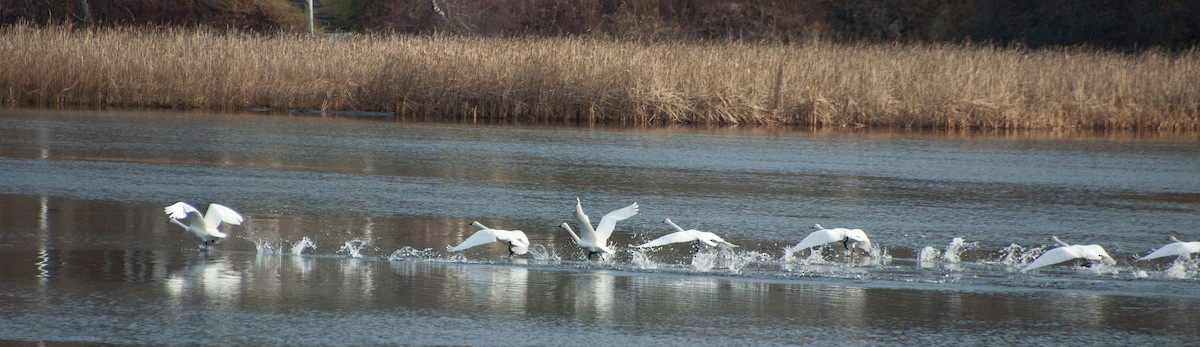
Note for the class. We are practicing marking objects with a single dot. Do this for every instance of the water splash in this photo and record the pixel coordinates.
(929, 254)
(738, 261)
(409, 253)
(704, 261)
(354, 247)
(263, 246)
(539, 252)
(1017, 256)
(955, 249)
(726, 258)
(304, 243)
(1184, 267)
(641, 260)
(928, 257)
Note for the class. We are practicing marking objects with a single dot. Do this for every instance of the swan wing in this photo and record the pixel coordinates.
(514, 237)
(218, 213)
(857, 235)
(1096, 252)
(1054, 256)
(713, 239)
(518, 243)
(480, 237)
(675, 237)
(180, 210)
(609, 221)
(673, 225)
(585, 225)
(1173, 249)
(817, 238)
(859, 238)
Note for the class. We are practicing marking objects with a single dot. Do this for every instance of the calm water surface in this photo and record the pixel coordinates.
(347, 222)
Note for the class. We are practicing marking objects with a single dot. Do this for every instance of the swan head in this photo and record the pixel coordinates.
(1174, 239)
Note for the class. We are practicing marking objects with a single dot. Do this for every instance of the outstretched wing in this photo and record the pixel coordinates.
(675, 237)
(1176, 248)
(609, 222)
(585, 224)
(1054, 256)
(180, 210)
(481, 237)
(817, 238)
(673, 225)
(218, 213)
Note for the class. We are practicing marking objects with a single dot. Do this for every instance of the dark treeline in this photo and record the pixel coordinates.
(1114, 24)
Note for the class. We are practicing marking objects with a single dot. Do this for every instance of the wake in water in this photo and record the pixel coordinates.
(831, 261)
(707, 260)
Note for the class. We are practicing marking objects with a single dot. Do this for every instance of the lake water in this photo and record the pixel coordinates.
(347, 220)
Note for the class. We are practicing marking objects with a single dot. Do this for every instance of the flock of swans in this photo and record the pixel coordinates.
(594, 240)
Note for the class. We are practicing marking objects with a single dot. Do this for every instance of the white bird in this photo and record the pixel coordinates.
(1176, 247)
(204, 227)
(517, 242)
(691, 235)
(850, 238)
(1065, 252)
(595, 240)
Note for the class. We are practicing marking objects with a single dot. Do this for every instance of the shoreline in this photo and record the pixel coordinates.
(595, 81)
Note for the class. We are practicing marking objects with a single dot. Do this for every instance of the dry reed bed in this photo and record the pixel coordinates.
(594, 80)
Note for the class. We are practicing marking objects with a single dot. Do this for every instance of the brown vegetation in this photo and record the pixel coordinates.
(600, 80)
(1110, 24)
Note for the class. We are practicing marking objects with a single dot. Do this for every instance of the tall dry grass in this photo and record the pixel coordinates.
(594, 80)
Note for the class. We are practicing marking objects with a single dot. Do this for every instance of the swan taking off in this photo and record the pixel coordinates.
(850, 239)
(595, 241)
(517, 242)
(1176, 247)
(1065, 252)
(204, 226)
(691, 235)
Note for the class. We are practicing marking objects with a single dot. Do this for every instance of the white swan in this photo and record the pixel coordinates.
(850, 239)
(517, 242)
(691, 235)
(1065, 252)
(1176, 247)
(204, 227)
(595, 240)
